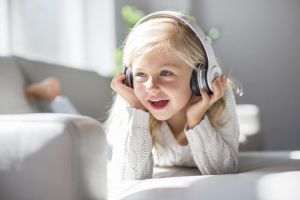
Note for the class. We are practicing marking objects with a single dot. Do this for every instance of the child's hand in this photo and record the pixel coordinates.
(125, 92)
(199, 105)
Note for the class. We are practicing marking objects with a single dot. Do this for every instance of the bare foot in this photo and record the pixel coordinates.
(45, 90)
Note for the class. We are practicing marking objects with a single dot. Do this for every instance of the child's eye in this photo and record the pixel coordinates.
(140, 74)
(166, 73)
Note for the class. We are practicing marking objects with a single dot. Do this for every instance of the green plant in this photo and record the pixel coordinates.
(131, 15)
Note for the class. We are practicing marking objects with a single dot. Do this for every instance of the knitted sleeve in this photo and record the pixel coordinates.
(215, 151)
(132, 153)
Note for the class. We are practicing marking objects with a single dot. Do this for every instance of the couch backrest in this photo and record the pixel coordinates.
(12, 83)
(88, 91)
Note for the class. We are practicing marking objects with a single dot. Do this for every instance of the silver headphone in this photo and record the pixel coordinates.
(203, 76)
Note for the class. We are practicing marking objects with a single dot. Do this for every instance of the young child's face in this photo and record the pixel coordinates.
(162, 84)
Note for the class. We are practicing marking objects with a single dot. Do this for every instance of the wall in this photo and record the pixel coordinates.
(74, 33)
(260, 39)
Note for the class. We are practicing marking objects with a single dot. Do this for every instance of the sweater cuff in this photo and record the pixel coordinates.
(140, 118)
(200, 133)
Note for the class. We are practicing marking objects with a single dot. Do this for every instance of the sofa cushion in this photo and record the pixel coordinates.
(12, 83)
(262, 176)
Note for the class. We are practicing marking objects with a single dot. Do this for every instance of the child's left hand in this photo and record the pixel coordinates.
(199, 105)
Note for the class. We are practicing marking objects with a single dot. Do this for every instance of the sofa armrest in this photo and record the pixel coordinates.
(52, 156)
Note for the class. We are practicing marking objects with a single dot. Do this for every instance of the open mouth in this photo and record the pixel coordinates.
(158, 104)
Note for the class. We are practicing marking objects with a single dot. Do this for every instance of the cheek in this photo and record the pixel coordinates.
(138, 90)
(180, 93)
(181, 96)
(179, 88)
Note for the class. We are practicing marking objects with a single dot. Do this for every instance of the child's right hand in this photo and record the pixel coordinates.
(125, 92)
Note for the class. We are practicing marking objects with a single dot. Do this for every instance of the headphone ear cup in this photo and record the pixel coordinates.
(199, 80)
(128, 77)
(194, 84)
(211, 74)
(204, 80)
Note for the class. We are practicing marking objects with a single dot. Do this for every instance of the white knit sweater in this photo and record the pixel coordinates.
(213, 151)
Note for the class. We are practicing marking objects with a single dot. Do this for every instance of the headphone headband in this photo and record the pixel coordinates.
(212, 70)
(211, 58)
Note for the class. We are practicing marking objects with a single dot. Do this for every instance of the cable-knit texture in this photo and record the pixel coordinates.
(132, 153)
(213, 151)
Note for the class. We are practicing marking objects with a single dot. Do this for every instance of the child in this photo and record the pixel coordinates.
(160, 121)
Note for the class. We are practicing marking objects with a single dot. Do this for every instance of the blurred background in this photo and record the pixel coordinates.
(256, 41)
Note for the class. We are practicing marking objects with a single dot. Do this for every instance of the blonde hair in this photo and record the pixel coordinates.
(168, 36)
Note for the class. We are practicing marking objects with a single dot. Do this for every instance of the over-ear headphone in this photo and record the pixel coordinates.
(203, 75)
(128, 77)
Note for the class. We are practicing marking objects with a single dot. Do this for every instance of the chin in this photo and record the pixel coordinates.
(159, 116)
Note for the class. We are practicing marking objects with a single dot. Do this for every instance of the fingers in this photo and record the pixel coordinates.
(119, 87)
(125, 92)
(205, 97)
(219, 88)
(197, 109)
(224, 84)
(117, 81)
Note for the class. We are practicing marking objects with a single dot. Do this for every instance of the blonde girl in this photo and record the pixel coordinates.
(159, 121)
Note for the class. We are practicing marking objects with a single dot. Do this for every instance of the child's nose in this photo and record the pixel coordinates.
(151, 83)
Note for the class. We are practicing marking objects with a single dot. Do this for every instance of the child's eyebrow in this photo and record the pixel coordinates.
(139, 68)
(165, 65)
(169, 66)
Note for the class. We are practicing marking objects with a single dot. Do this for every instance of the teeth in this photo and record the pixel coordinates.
(156, 100)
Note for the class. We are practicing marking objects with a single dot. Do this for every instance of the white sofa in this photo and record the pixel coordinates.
(58, 156)
(52, 156)
(48, 155)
